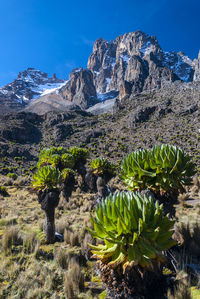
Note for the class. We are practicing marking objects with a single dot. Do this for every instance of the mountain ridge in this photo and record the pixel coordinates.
(130, 64)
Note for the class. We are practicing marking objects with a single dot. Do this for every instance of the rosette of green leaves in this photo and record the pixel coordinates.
(51, 156)
(136, 171)
(102, 165)
(67, 160)
(80, 154)
(134, 229)
(164, 167)
(172, 165)
(46, 178)
(66, 173)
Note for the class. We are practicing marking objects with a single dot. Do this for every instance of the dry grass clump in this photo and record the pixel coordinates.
(181, 291)
(30, 243)
(8, 221)
(74, 280)
(85, 249)
(188, 236)
(61, 225)
(20, 181)
(182, 198)
(38, 280)
(62, 258)
(71, 237)
(11, 237)
(6, 181)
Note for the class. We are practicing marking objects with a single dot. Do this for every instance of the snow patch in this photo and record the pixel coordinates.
(101, 97)
(146, 48)
(3, 91)
(125, 58)
(181, 65)
(102, 107)
(48, 88)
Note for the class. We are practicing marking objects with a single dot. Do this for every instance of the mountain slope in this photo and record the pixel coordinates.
(162, 116)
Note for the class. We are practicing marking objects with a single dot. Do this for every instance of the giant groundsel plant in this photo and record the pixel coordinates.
(134, 229)
(164, 167)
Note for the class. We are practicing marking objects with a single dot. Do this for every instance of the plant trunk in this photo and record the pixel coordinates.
(102, 188)
(136, 283)
(50, 225)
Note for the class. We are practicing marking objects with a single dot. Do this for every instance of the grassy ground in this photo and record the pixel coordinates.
(29, 268)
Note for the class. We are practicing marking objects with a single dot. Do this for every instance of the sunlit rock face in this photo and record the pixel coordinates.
(138, 59)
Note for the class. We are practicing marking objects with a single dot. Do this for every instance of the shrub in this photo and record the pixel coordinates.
(11, 238)
(60, 157)
(51, 156)
(134, 229)
(13, 176)
(164, 167)
(66, 173)
(3, 191)
(67, 160)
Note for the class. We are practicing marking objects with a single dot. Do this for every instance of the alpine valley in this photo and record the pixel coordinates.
(132, 95)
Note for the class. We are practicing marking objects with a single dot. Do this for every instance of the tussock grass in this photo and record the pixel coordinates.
(62, 258)
(10, 238)
(181, 291)
(74, 280)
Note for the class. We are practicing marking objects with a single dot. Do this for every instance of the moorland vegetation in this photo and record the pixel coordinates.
(115, 213)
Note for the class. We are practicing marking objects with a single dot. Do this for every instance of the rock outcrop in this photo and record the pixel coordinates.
(135, 62)
(80, 89)
(197, 68)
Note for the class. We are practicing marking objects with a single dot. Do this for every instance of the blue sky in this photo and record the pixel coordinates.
(57, 36)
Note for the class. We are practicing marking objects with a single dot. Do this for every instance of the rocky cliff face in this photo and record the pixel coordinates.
(134, 62)
(130, 64)
(197, 68)
(80, 89)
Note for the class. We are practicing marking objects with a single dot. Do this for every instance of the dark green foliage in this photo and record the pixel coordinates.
(79, 154)
(67, 160)
(3, 191)
(61, 158)
(164, 167)
(66, 172)
(13, 176)
(101, 165)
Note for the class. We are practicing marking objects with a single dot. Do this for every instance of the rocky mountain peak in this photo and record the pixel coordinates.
(29, 84)
(132, 63)
(138, 59)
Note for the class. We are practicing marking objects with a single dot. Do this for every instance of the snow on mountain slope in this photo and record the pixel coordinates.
(180, 64)
(30, 84)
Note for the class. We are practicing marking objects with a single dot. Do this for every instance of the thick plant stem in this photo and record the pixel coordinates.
(102, 188)
(50, 225)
